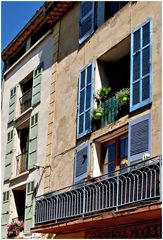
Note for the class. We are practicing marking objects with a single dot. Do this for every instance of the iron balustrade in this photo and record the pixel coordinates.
(25, 101)
(22, 163)
(137, 183)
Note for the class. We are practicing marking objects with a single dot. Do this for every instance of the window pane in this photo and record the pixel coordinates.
(87, 120)
(82, 94)
(146, 56)
(124, 148)
(88, 97)
(81, 119)
(82, 80)
(111, 167)
(136, 66)
(145, 88)
(137, 40)
(111, 152)
(86, 26)
(146, 34)
(85, 8)
(89, 74)
(136, 93)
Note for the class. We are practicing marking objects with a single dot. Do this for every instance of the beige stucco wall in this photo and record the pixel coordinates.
(72, 57)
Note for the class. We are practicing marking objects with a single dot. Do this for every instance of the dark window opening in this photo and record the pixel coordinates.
(39, 33)
(16, 56)
(111, 8)
(19, 196)
(26, 99)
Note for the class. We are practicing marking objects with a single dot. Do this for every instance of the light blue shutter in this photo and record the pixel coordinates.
(9, 155)
(141, 66)
(12, 105)
(29, 207)
(82, 159)
(86, 20)
(85, 101)
(5, 214)
(36, 88)
(139, 140)
(32, 152)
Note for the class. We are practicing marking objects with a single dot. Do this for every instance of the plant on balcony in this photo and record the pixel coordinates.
(123, 96)
(14, 228)
(97, 113)
(102, 94)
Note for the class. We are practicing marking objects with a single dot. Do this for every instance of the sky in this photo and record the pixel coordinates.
(14, 16)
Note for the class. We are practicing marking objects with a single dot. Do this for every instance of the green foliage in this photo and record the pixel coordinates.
(103, 93)
(97, 113)
(123, 96)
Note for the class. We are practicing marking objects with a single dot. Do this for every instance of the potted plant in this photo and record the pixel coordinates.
(103, 94)
(14, 228)
(123, 96)
(97, 113)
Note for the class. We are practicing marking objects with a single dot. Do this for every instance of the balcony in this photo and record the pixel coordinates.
(25, 101)
(22, 163)
(139, 183)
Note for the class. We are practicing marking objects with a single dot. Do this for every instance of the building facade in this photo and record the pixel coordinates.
(101, 146)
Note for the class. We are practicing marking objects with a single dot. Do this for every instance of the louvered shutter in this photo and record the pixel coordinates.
(32, 152)
(85, 101)
(36, 88)
(82, 160)
(139, 137)
(12, 105)
(9, 155)
(5, 214)
(86, 20)
(29, 207)
(141, 66)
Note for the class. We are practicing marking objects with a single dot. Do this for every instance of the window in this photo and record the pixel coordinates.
(113, 154)
(85, 101)
(94, 14)
(141, 66)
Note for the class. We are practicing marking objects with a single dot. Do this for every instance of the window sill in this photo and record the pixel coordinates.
(22, 114)
(20, 175)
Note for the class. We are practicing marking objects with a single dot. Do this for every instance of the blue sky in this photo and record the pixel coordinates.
(14, 16)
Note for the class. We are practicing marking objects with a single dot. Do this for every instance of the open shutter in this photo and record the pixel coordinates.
(82, 160)
(29, 207)
(9, 155)
(139, 137)
(32, 154)
(141, 66)
(85, 101)
(36, 88)
(12, 105)
(5, 214)
(86, 20)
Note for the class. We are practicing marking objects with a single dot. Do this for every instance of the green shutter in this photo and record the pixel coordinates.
(36, 88)
(29, 207)
(32, 154)
(12, 105)
(5, 214)
(9, 155)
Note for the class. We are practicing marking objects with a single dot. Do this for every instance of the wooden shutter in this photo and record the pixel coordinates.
(139, 137)
(85, 101)
(29, 207)
(82, 160)
(9, 154)
(36, 88)
(12, 105)
(5, 213)
(86, 20)
(141, 66)
(32, 152)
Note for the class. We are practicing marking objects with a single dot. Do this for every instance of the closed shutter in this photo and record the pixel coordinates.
(29, 207)
(86, 20)
(82, 160)
(12, 105)
(139, 137)
(141, 66)
(9, 155)
(32, 154)
(36, 88)
(85, 101)
(5, 214)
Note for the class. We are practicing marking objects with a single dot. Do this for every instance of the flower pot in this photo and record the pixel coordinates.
(98, 115)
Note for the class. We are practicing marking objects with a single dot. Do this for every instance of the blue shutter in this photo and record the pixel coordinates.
(9, 154)
(36, 88)
(5, 214)
(29, 207)
(82, 159)
(12, 105)
(139, 140)
(85, 101)
(86, 20)
(141, 66)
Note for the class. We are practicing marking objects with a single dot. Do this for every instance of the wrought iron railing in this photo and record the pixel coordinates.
(22, 163)
(137, 183)
(25, 101)
(112, 111)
